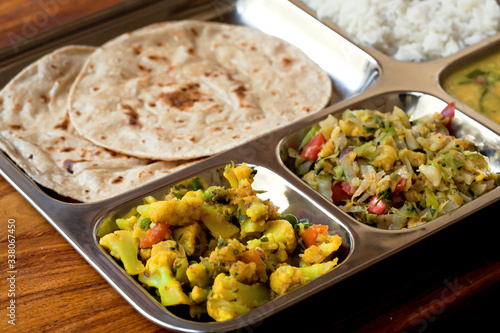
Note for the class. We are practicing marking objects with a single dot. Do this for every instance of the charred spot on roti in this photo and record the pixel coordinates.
(194, 32)
(163, 84)
(117, 180)
(143, 68)
(66, 149)
(95, 89)
(155, 57)
(17, 107)
(64, 122)
(132, 115)
(44, 98)
(183, 98)
(137, 49)
(15, 127)
(241, 94)
(286, 61)
(68, 165)
(30, 156)
(178, 35)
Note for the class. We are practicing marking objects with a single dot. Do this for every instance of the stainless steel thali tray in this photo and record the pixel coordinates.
(362, 78)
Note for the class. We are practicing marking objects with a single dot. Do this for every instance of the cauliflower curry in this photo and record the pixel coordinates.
(220, 251)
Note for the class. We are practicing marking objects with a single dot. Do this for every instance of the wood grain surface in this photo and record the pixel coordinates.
(449, 282)
(22, 19)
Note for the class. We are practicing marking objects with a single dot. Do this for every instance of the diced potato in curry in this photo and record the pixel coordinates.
(221, 251)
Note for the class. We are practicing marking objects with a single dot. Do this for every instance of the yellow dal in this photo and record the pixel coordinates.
(469, 90)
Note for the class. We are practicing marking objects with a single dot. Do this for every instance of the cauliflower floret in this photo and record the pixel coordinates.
(286, 278)
(199, 276)
(164, 271)
(244, 272)
(225, 256)
(246, 264)
(277, 242)
(123, 246)
(230, 298)
(192, 237)
(240, 176)
(315, 254)
(199, 295)
(258, 213)
(177, 212)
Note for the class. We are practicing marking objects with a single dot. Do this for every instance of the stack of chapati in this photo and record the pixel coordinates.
(91, 123)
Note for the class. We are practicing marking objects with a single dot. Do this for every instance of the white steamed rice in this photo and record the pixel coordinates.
(413, 30)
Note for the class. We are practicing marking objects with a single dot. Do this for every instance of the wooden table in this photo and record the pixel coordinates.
(447, 283)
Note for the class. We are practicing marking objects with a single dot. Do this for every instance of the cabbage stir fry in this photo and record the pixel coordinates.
(218, 250)
(388, 171)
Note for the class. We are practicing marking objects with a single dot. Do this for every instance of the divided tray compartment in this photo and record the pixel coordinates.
(287, 200)
(474, 54)
(361, 79)
(417, 105)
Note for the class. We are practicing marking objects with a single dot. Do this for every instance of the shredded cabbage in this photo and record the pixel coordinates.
(416, 168)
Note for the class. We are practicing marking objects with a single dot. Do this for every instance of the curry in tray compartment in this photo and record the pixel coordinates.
(390, 172)
(478, 85)
(219, 251)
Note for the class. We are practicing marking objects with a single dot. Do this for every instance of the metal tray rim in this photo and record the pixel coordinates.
(95, 211)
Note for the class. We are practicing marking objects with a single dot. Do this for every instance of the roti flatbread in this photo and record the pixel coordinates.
(36, 133)
(188, 89)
